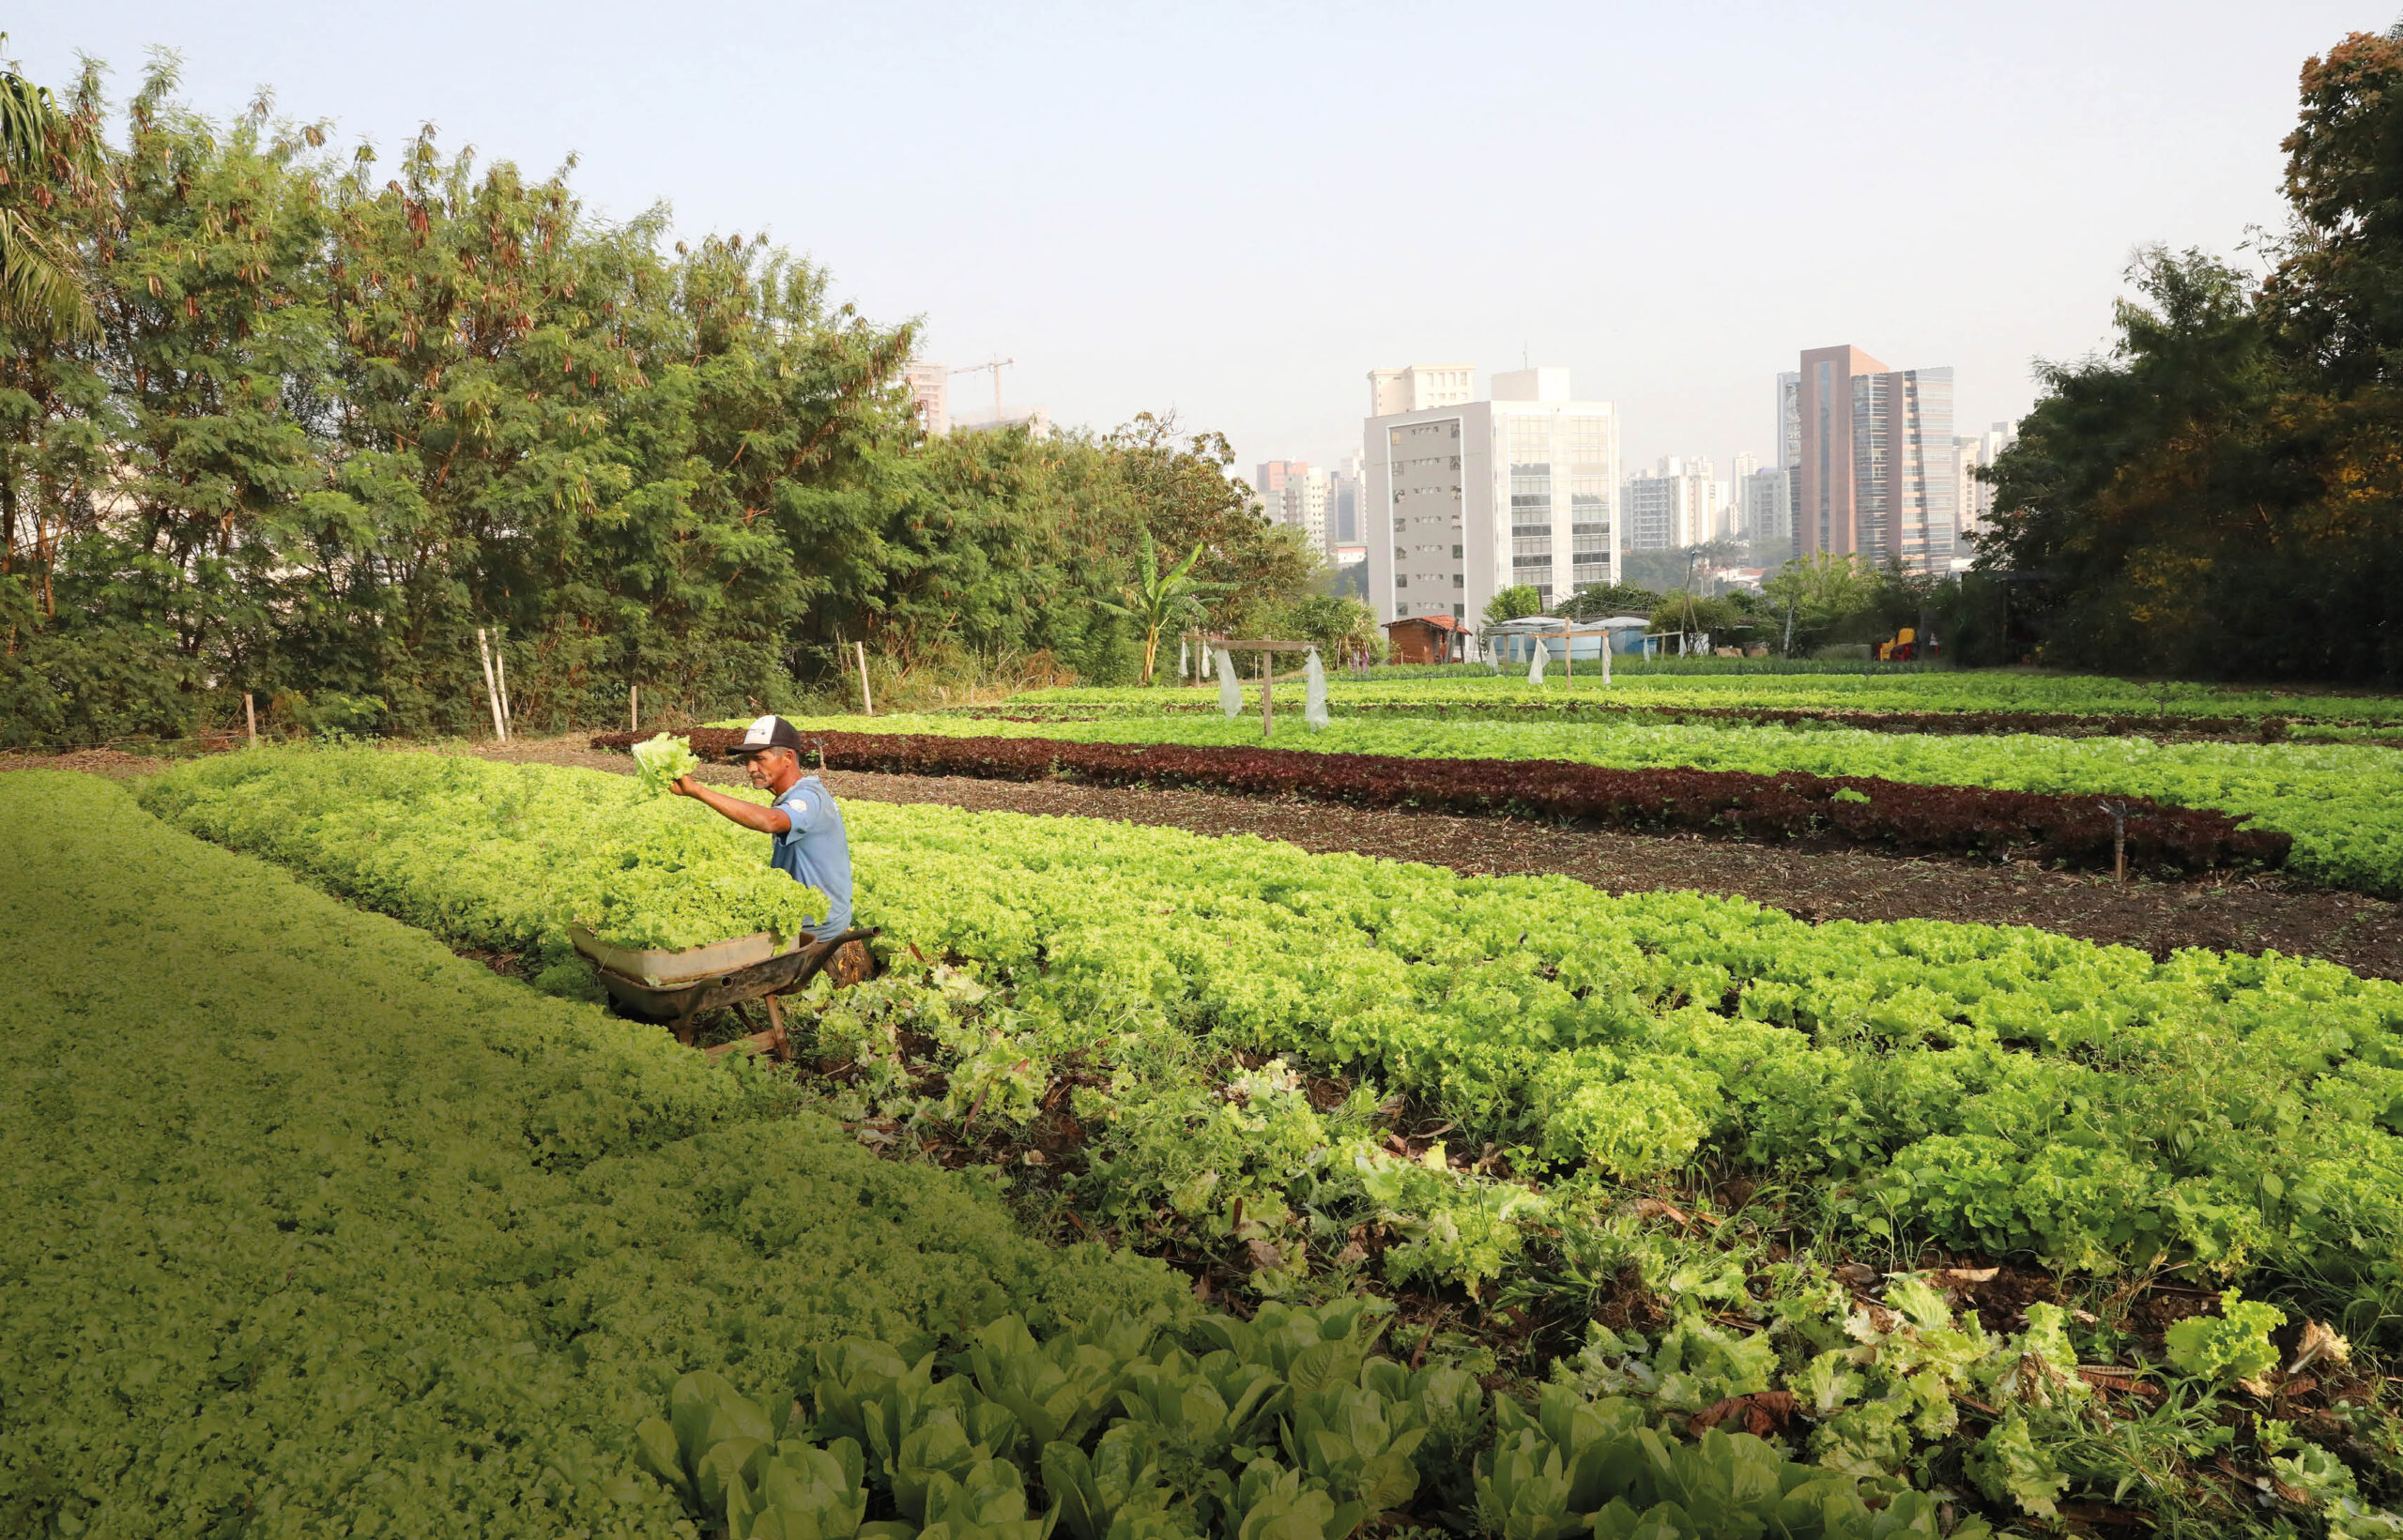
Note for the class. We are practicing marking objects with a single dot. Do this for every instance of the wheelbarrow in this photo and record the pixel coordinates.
(673, 987)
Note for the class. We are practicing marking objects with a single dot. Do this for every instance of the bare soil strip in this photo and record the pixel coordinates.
(2268, 913)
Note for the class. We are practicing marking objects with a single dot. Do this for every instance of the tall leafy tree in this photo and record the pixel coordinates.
(2223, 493)
(48, 158)
(331, 417)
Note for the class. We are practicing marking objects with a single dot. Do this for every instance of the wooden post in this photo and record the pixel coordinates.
(634, 707)
(2117, 839)
(492, 691)
(500, 675)
(251, 715)
(1569, 651)
(868, 703)
(1267, 702)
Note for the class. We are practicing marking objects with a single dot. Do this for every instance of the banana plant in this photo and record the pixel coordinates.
(1158, 599)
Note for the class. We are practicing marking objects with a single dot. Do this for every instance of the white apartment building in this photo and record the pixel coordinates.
(1297, 492)
(1977, 497)
(1393, 391)
(1462, 498)
(1765, 514)
(1677, 506)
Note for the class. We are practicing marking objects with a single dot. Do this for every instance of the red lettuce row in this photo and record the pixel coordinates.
(1890, 815)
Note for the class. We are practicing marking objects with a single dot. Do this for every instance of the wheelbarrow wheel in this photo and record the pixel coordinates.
(853, 963)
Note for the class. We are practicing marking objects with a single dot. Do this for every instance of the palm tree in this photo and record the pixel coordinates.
(40, 289)
(1157, 599)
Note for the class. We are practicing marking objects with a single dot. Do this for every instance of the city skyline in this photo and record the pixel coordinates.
(1042, 183)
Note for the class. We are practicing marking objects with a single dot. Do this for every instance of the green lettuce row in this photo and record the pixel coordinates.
(316, 1229)
(1938, 690)
(1997, 1088)
(414, 835)
(2343, 804)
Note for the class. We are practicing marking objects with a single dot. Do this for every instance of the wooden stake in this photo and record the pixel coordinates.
(866, 703)
(492, 691)
(500, 673)
(251, 715)
(1267, 701)
(634, 707)
(1569, 651)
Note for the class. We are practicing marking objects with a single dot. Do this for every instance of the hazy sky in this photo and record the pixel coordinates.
(1235, 210)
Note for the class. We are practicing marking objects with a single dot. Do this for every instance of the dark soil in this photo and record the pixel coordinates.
(2257, 913)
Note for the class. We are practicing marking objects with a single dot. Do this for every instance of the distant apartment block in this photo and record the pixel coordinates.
(1680, 504)
(930, 388)
(1789, 457)
(1294, 491)
(1393, 391)
(1765, 514)
(1462, 498)
(1978, 451)
(1343, 503)
(1878, 471)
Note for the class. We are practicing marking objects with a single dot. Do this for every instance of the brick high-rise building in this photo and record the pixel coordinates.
(1877, 473)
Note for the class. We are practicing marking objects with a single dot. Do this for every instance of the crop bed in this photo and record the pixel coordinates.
(2342, 804)
(1202, 1045)
(2268, 729)
(1875, 690)
(316, 1229)
(1624, 1036)
(1883, 814)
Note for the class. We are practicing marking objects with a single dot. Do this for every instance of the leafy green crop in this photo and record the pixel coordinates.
(1284, 1428)
(663, 759)
(1997, 1089)
(2233, 1345)
(316, 1229)
(495, 856)
(2343, 804)
(1854, 689)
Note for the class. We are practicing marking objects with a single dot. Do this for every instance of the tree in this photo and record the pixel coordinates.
(1600, 601)
(1157, 599)
(1177, 486)
(1337, 622)
(1513, 603)
(49, 158)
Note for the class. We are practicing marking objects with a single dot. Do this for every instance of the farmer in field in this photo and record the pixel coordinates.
(804, 828)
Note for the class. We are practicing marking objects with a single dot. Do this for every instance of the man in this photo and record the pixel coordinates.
(806, 828)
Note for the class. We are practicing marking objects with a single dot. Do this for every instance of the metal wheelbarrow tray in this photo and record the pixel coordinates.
(673, 987)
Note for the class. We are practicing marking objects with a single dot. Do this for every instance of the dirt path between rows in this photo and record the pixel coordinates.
(2228, 913)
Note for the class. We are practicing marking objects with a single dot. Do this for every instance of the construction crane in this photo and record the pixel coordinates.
(996, 364)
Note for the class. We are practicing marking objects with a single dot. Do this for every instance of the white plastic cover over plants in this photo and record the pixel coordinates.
(1230, 693)
(1315, 706)
(1534, 669)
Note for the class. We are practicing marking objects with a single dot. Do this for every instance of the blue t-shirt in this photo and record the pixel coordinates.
(815, 852)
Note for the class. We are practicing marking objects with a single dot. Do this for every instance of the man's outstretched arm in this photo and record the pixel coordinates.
(766, 820)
